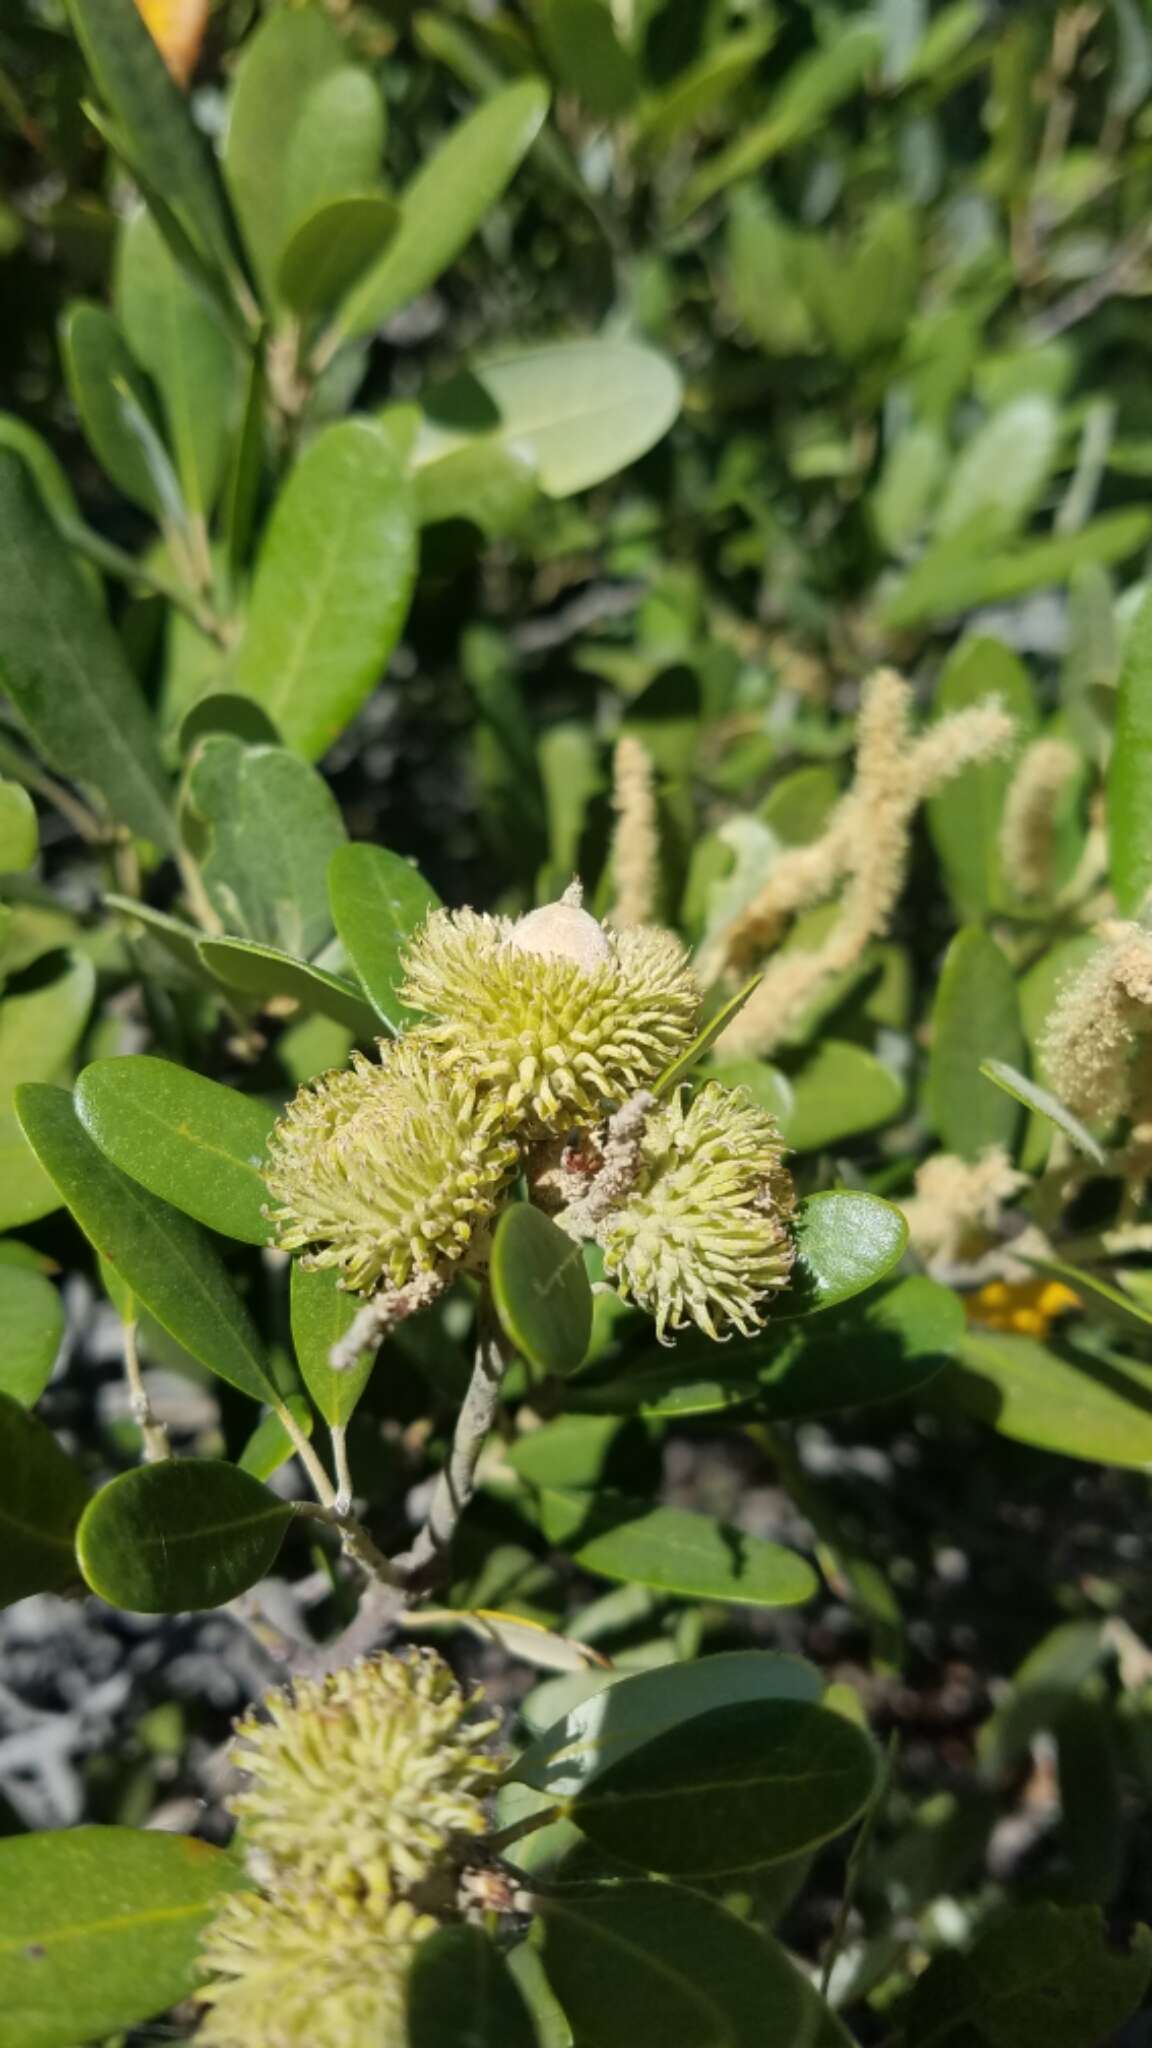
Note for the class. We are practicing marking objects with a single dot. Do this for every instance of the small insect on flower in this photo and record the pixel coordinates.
(552, 1017)
(704, 1236)
(385, 1170)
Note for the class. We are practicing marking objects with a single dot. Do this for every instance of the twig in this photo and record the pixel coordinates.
(856, 1862)
(127, 569)
(154, 1434)
(1077, 305)
(456, 1484)
(339, 1436)
(82, 820)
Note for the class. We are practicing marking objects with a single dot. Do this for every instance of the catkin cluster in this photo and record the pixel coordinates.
(537, 1036)
(362, 1793)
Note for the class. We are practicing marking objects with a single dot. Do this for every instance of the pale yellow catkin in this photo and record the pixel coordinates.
(636, 839)
(1092, 1045)
(1028, 826)
(866, 844)
(957, 1202)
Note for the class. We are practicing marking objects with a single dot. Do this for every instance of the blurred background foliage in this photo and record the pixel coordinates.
(899, 257)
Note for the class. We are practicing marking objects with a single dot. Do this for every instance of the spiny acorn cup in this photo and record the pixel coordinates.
(704, 1235)
(551, 1017)
(363, 1790)
(385, 1170)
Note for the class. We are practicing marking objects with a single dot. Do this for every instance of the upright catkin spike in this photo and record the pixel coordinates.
(1095, 1046)
(1028, 825)
(867, 842)
(635, 854)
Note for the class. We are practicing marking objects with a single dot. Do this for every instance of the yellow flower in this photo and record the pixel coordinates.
(704, 1234)
(1027, 1307)
(385, 1170)
(553, 1018)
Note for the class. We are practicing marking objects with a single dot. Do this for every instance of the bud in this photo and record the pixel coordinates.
(552, 1018)
(385, 1170)
(703, 1236)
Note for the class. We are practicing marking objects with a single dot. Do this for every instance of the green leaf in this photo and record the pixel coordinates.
(332, 585)
(1000, 473)
(637, 1963)
(693, 1555)
(32, 1324)
(41, 1502)
(270, 1445)
(176, 335)
(335, 147)
(1117, 1305)
(1021, 1089)
(157, 125)
(188, 1533)
(964, 817)
(264, 972)
(192, 1142)
(322, 1313)
(38, 1031)
(630, 1712)
(738, 1788)
(166, 1261)
(703, 85)
(540, 1289)
(884, 1350)
(579, 410)
(332, 247)
(282, 67)
(483, 481)
(65, 670)
(845, 1242)
(101, 1929)
(460, 1995)
(446, 201)
(840, 1090)
(19, 834)
(378, 900)
(1082, 1407)
(1130, 772)
(955, 577)
(263, 825)
(769, 1088)
(245, 465)
(812, 90)
(580, 43)
(1041, 1976)
(705, 1039)
(976, 1016)
(47, 473)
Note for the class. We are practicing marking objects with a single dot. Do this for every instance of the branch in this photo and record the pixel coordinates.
(457, 1482)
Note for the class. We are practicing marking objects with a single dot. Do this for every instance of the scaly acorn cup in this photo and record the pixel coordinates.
(385, 1171)
(362, 1791)
(704, 1235)
(551, 1017)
